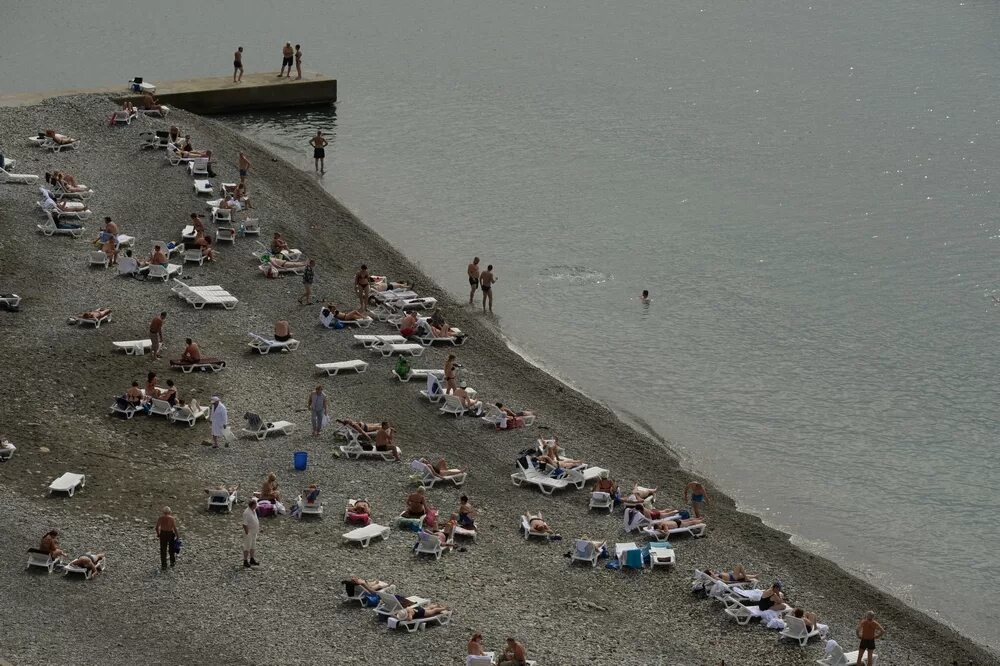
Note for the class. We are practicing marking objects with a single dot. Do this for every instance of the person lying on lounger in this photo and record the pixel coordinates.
(408, 325)
(68, 183)
(416, 504)
(445, 331)
(50, 545)
(737, 575)
(440, 468)
(371, 586)
(61, 139)
(639, 494)
(353, 315)
(90, 562)
(421, 612)
(511, 413)
(365, 430)
(62, 206)
(278, 262)
(269, 490)
(550, 455)
(666, 520)
(537, 524)
(188, 151)
(150, 103)
(91, 315)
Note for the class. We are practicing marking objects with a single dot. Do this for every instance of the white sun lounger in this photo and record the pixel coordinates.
(266, 345)
(435, 388)
(167, 249)
(526, 473)
(123, 407)
(420, 303)
(159, 113)
(428, 339)
(349, 434)
(428, 544)
(70, 570)
(205, 365)
(96, 321)
(307, 508)
(194, 255)
(581, 476)
(41, 560)
(202, 186)
(123, 117)
(364, 535)
(369, 341)
(199, 297)
(170, 272)
(360, 593)
(68, 483)
(140, 86)
(623, 553)
(528, 532)
(133, 347)
(500, 420)
(599, 500)
(160, 408)
(661, 554)
(198, 167)
(56, 147)
(222, 499)
(261, 250)
(419, 373)
(158, 139)
(98, 258)
(585, 550)
(49, 228)
(354, 451)
(6, 177)
(388, 349)
(453, 405)
(695, 531)
(835, 656)
(419, 624)
(184, 414)
(270, 428)
(743, 614)
(796, 630)
(389, 605)
(331, 369)
(426, 477)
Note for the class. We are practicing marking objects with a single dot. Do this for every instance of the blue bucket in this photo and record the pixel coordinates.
(301, 460)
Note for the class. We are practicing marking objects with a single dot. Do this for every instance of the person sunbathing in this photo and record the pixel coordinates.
(353, 315)
(467, 401)
(421, 612)
(133, 395)
(511, 413)
(466, 514)
(65, 182)
(416, 504)
(445, 331)
(278, 244)
(446, 534)
(91, 315)
(668, 516)
(205, 243)
(408, 324)
(61, 139)
(475, 647)
(365, 430)
(169, 394)
(550, 455)
(62, 206)
(737, 575)
(440, 468)
(282, 331)
(278, 262)
(537, 524)
(50, 545)
(361, 506)
(157, 258)
(639, 494)
(152, 390)
(810, 619)
(187, 150)
(770, 599)
(222, 488)
(90, 562)
(150, 103)
(385, 440)
(514, 654)
(312, 493)
(371, 586)
(174, 135)
(192, 353)
(269, 490)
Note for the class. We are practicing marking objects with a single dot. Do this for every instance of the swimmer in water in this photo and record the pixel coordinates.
(645, 297)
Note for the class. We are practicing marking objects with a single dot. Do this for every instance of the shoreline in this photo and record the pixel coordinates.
(916, 636)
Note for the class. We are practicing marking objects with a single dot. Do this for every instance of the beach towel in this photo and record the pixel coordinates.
(632, 519)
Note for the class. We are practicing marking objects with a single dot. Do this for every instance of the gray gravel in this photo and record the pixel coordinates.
(57, 388)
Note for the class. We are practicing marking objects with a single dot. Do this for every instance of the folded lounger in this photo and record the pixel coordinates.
(426, 477)
(6, 177)
(257, 427)
(266, 345)
(389, 348)
(41, 560)
(364, 535)
(587, 551)
(184, 414)
(419, 373)
(428, 543)
(370, 341)
(222, 499)
(103, 315)
(70, 570)
(133, 347)
(331, 369)
(205, 365)
(68, 483)
(354, 451)
(528, 473)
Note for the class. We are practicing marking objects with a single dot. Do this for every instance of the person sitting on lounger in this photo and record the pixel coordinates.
(468, 402)
(205, 243)
(421, 612)
(174, 136)
(150, 103)
(278, 262)
(361, 507)
(408, 325)
(89, 562)
(134, 395)
(475, 647)
(192, 353)
(810, 619)
(312, 493)
(770, 599)
(158, 257)
(269, 490)
(446, 534)
(466, 514)
(169, 394)
(550, 455)
(605, 484)
(152, 390)
(282, 331)
(278, 244)
(385, 440)
(50, 545)
(61, 139)
(737, 575)
(416, 504)
(510, 413)
(198, 224)
(61, 206)
(513, 654)
(222, 489)
(537, 524)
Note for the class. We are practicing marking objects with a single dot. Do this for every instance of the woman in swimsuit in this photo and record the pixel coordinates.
(170, 393)
(771, 598)
(466, 513)
(421, 612)
(810, 619)
(449, 373)
(737, 575)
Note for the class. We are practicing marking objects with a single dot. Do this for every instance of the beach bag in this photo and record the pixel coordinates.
(402, 368)
(265, 508)
(176, 545)
(338, 324)
(228, 434)
(370, 599)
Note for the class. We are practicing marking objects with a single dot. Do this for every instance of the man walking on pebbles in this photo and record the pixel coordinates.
(156, 334)
(251, 528)
(486, 282)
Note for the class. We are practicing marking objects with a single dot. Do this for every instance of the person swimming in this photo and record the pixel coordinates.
(645, 297)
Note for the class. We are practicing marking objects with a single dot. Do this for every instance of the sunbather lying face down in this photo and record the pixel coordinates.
(90, 562)
(421, 612)
(61, 139)
(536, 524)
(738, 574)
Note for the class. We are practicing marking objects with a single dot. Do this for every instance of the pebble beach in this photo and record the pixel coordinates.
(60, 381)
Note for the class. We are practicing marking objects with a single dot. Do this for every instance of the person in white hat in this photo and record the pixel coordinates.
(220, 420)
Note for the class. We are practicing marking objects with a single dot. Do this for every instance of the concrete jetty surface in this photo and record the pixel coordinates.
(214, 94)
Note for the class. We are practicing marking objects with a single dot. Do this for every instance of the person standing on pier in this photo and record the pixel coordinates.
(286, 60)
(298, 62)
(318, 144)
(238, 65)
(244, 169)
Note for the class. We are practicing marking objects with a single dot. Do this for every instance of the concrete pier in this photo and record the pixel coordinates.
(215, 94)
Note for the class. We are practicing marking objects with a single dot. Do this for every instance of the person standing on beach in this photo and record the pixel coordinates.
(298, 62)
(244, 169)
(473, 270)
(362, 283)
(308, 277)
(868, 632)
(286, 60)
(318, 409)
(238, 65)
(699, 497)
(166, 530)
(486, 282)
(251, 528)
(449, 373)
(319, 144)
(156, 334)
(220, 421)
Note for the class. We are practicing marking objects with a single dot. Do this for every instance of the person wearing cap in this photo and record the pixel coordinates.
(220, 421)
(868, 632)
(467, 401)
(251, 528)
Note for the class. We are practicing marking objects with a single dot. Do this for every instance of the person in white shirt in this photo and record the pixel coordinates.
(220, 420)
(251, 528)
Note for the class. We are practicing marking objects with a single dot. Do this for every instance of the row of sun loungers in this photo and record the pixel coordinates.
(199, 297)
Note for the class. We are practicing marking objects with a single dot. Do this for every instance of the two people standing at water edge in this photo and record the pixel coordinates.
(238, 65)
(319, 144)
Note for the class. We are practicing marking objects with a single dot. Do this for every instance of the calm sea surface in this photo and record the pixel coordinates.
(805, 188)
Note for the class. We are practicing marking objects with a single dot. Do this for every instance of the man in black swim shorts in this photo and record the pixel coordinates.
(287, 59)
(238, 65)
(318, 144)
(473, 278)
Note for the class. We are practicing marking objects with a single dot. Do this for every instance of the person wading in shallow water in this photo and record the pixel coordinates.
(319, 144)
(486, 282)
(473, 271)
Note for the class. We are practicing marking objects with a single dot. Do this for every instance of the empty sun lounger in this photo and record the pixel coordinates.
(586, 551)
(41, 560)
(528, 473)
(389, 348)
(198, 167)
(425, 475)
(796, 630)
(369, 341)
(156, 139)
(133, 347)
(68, 483)
(629, 555)
(435, 388)
(364, 535)
(331, 369)
(354, 450)
(428, 543)
(6, 177)
(256, 427)
(170, 271)
(194, 255)
(184, 414)
(137, 85)
(200, 300)
(661, 554)
(219, 498)
(202, 186)
(160, 408)
(205, 365)
(266, 345)
(98, 258)
(602, 501)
